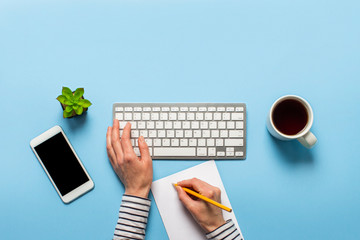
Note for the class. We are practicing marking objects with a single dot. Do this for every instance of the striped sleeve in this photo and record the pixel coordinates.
(227, 231)
(133, 215)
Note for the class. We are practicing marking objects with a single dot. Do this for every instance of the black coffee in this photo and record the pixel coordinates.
(290, 117)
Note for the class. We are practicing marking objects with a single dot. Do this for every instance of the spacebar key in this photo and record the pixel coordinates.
(174, 152)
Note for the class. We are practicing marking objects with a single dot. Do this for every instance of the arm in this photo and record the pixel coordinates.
(208, 216)
(136, 175)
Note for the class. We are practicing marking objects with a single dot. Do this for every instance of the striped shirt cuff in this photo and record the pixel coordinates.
(227, 231)
(133, 215)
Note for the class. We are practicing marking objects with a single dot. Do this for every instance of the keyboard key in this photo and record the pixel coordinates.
(208, 116)
(119, 116)
(184, 142)
(181, 116)
(201, 152)
(177, 125)
(237, 116)
(221, 125)
(221, 154)
(230, 125)
(141, 125)
(202, 142)
(226, 116)
(223, 133)
(205, 133)
(210, 142)
(217, 116)
(239, 125)
(134, 133)
(215, 133)
(199, 116)
(159, 125)
(150, 125)
(161, 133)
(192, 142)
(176, 152)
(149, 142)
(152, 133)
(188, 133)
(190, 116)
(128, 116)
(137, 116)
(235, 133)
(170, 133)
(155, 116)
(174, 142)
(163, 116)
(156, 109)
(168, 125)
(146, 116)
(128, 109)
(186, 125)
(195, 125)
(172, 116)
(212, 125)
(212, 152)
(204, 125)
(157, 142)
(239, 154)
(179, 133)
(219, 142)
(234, 142)
(144, 133)
(220, 109)
(119, 109)
(166, 142)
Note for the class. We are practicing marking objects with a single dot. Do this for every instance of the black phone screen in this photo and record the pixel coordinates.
(61, 163)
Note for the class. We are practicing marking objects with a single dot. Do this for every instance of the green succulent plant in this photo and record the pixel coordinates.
(73, 103)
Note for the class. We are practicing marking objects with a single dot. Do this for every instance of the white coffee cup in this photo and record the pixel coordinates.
(287, 110)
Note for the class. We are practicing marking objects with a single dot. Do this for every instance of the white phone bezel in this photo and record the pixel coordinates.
(77, 192)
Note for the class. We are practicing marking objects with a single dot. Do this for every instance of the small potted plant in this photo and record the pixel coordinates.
(73, 103)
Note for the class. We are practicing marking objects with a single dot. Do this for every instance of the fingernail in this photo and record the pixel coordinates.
(141, 139)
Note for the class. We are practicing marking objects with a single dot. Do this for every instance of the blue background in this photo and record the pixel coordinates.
(183, 51)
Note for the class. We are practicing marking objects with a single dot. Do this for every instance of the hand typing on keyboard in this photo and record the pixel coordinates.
(186, 130)
(135, 173)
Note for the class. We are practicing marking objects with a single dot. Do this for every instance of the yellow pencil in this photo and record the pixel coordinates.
(205, 198)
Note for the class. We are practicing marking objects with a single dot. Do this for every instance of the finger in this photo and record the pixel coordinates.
(115, 140)
(125, 140)
(194, 183)
(109, 148)
(144, 150)
(184, 197)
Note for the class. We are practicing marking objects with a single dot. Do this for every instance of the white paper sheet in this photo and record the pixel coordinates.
(179, 223)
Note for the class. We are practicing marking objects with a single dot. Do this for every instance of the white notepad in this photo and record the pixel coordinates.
(179, 223)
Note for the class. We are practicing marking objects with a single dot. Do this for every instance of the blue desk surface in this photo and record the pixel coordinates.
(183, 51)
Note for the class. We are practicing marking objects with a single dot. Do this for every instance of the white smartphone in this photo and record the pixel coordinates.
(61, 164)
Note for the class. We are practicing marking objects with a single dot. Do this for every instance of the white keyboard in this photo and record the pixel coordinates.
(186, 130)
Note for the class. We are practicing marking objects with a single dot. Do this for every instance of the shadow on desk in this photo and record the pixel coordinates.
(292, 152)
(76, 122)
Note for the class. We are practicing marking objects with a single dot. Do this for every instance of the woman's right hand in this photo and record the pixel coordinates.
(208, 216)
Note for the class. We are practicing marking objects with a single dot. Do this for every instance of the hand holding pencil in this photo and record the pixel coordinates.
(208, 216)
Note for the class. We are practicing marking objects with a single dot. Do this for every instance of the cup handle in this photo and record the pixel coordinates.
(308, 140)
